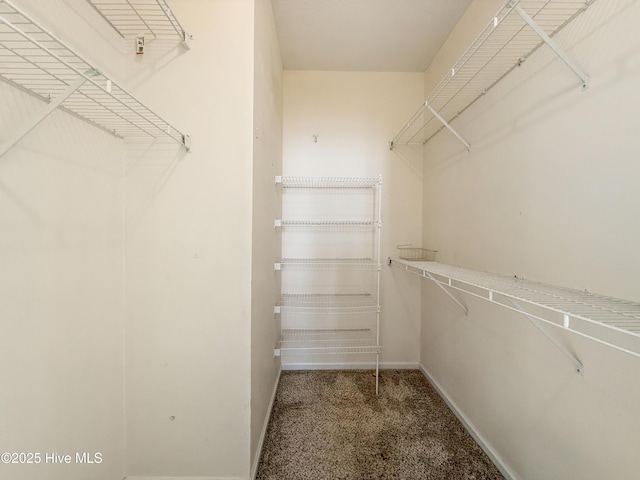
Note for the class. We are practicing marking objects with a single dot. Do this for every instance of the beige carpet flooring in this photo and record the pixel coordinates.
(330, 425)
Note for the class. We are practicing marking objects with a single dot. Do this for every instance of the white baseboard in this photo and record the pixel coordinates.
(256, 459)
(480, 440)
(351, 366)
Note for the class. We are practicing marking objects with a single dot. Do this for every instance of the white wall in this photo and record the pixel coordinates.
(267, 163)
(548, 192)
(61, 277)
(189, 252)
(355, 115)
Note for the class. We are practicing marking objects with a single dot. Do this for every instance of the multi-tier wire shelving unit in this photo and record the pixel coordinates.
(330, 267)
(606, 320)
(512, 35)
(36, 61)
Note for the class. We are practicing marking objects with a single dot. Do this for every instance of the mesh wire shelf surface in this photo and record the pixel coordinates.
(34, 60)
(328, 182)
(612, 321)
(502, 45)
(134, 17)
(351, 263)
(326, 223)
(328, 303)
(330, 341)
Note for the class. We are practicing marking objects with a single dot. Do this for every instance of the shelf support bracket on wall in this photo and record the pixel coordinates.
(424, 274)
(458, 302)
(536, 323)
(51, 106)
(554, 46)
(449, 127)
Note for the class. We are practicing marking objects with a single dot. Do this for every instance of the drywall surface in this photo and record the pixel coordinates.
(547, 192)
(61, 283)
(188, 252)
(340, 124)
(267, 163)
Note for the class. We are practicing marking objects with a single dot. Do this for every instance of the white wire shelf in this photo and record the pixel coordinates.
(35, 61)
(319, 303)
(327, 263)
(330, 341)
(329, 182)
(505, 42)
(131, 18)
(611, 321)
(325, 223)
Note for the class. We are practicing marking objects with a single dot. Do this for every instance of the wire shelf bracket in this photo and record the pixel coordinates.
(448, 126)
(449, 294)
(35, 61)
(536, 323)
(609, 321)
(517, 30)
(553, 45)
(50, 108)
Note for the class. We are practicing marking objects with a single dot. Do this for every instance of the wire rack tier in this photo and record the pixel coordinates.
(325, 223)
(607, 320)
(131, 18)
(506, 41)
(328, 263)
(35, 61)
(328, 182)
(329, 341)
(328, 303)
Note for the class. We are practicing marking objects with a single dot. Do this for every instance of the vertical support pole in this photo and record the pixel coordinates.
(554, 46)
(378, 191)
(51, 106)
(449, 127)
(377, 371)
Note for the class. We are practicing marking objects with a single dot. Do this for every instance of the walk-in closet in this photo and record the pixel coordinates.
(286, 239)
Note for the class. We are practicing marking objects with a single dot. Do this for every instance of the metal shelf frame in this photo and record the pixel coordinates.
(324, 223)
(34, 60)
(345, 305)
(328, 182)
(308, 304)
(517, 30)
(330, 341)
(131, 18)
(609, 321)
(328, 263)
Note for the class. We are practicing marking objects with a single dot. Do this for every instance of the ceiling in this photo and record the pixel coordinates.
(363, 35)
